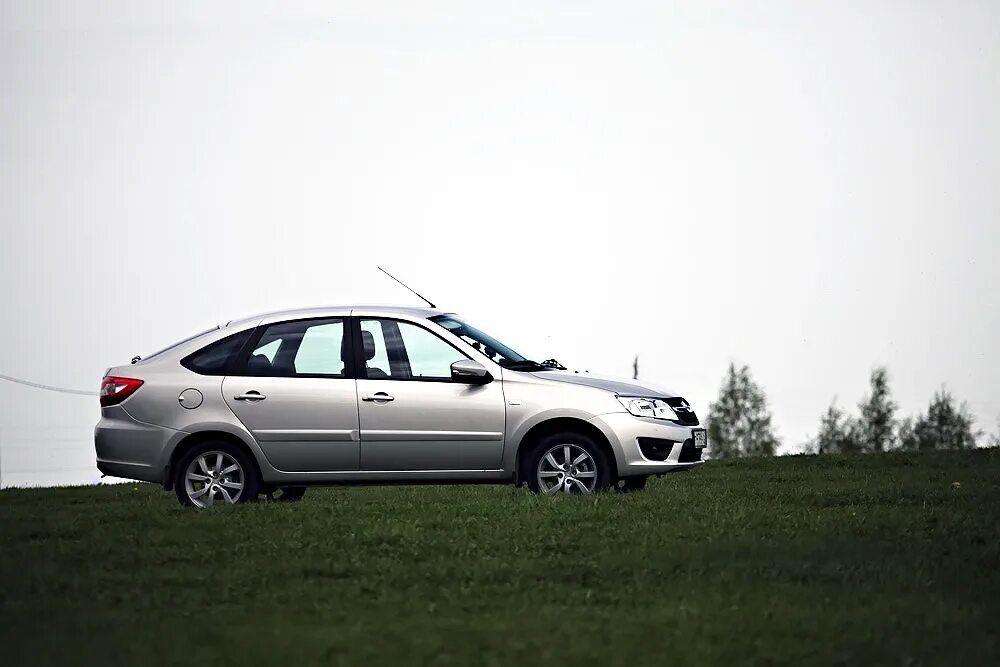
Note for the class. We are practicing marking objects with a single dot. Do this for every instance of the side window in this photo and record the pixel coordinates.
(402, 351)
(376, 354)
(269, 350)
(213, 359)
(429, 356)
(305, 347)
(319, 351)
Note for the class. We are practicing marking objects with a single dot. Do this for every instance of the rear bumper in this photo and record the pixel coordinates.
(129, 448)
(624, 431)
(130, 471)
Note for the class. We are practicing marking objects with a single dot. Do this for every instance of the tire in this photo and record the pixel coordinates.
(631, 484)
(290, 494)
(546, 472)
(209, 485)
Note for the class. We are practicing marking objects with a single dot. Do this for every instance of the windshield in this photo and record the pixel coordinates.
(488, 345)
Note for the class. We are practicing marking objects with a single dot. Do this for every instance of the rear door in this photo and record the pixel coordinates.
(412, 415)
(295, 393)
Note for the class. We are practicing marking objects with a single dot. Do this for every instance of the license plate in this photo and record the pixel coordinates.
(700, 439)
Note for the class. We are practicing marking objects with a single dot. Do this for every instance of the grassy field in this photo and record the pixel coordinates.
(799, 560)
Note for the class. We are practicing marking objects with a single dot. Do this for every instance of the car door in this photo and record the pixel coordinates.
(295, 392)
(412, 415)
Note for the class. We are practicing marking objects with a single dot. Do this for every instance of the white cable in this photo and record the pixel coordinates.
(46, 387)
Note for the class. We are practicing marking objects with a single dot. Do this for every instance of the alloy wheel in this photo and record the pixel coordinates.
(567, 468)
(214, 477)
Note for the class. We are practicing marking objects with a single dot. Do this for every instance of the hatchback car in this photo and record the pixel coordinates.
(275, 403)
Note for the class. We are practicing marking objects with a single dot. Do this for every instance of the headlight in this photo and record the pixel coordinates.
(648, 407)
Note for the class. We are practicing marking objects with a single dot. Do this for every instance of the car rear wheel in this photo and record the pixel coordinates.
(215, 473)
(568, 463)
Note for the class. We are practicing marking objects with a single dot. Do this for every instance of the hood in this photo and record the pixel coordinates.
(617, 385)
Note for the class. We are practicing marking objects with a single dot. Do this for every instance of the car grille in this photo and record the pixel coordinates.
(685, 415)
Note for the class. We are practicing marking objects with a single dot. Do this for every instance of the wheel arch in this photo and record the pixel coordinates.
(555, 425)
(192, 440)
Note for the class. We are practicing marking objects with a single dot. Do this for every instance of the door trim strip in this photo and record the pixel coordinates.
(371, 435)
(305, 435)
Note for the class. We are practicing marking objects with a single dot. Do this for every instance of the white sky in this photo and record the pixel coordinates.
(809, 188)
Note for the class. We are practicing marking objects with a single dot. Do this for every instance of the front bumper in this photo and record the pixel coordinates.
(624, 430)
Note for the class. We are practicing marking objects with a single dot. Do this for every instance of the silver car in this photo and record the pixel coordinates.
(348, 395)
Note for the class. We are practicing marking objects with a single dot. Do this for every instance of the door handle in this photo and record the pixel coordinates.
(378, 396)
(250, 396)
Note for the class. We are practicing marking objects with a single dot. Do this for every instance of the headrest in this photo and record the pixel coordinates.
(369, 342)
(259, 365)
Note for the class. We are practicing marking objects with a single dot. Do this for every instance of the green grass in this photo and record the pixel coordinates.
(799, 560)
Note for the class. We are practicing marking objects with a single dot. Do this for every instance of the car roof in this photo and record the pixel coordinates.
(333, 311)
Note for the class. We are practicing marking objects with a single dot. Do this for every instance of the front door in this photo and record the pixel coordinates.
(412, 415)
(294, 393)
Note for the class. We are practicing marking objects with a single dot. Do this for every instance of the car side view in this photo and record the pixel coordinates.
(362, 395)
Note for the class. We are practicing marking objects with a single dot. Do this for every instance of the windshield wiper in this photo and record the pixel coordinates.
(524, 365)
(529, 365)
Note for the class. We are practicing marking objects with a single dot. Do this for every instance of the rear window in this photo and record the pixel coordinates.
(214, 359)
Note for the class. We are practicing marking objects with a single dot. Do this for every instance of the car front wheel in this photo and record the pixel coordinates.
(568, 463)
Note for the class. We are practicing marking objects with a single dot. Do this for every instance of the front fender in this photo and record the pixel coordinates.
(516, 439)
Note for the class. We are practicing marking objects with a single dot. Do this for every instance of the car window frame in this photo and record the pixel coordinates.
(359, 361)
(238, 367)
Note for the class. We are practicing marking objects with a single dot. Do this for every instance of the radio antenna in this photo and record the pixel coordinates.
(405, 285)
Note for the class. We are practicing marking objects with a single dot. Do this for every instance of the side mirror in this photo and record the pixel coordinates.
(468, 371)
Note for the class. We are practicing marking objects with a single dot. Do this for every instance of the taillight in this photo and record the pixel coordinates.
(114, 389)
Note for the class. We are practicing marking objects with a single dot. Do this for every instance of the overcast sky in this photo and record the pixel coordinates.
(808, 188)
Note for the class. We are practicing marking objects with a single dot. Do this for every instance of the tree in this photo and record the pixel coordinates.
(836, 432)
(739, 423)
(994, 440)
(905, 433)
(943, 427)
(876, 426)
